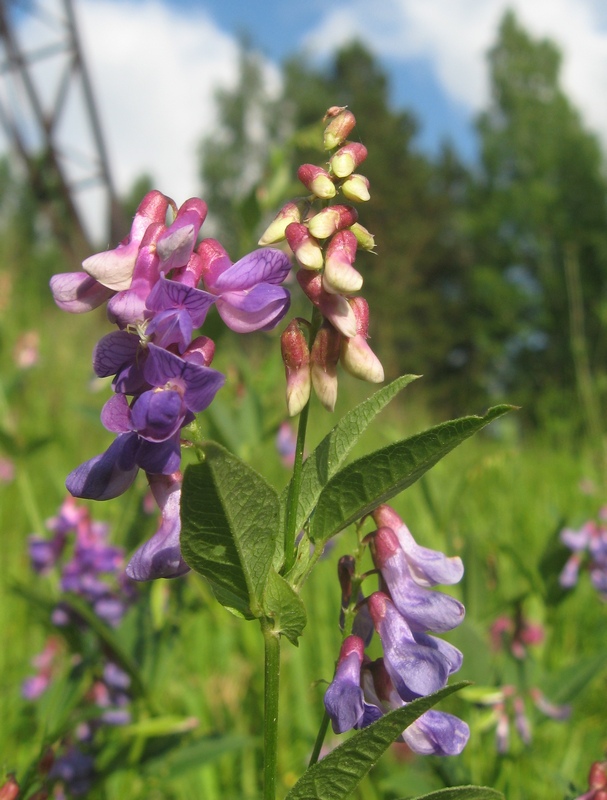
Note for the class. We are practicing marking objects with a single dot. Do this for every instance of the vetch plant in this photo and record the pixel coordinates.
(257, 547)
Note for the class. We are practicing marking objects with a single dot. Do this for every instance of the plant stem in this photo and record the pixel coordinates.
(322, 732)
(295, 484)
(270, 722)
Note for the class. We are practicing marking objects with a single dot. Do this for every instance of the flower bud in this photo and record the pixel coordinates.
(275, 232)
(201, 350)
(366, 240)
(332, 219)
(347, 158)
(333, 306)
(597, 778)
(341, 123)
(356, 188)
(317, 180)
(339, 275)
(305, 247)
(323, 363)
(10, 789)
(356, 356)
(296, 358)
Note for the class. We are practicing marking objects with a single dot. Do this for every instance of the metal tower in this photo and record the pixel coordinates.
(50, 120)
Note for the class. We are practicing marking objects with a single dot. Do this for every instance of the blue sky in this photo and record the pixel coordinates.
(155, 66)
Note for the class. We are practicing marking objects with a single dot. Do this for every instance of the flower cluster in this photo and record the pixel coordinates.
(325, 244)
(95, 570)
(160, 285)
(403, 612)
(589, 549)
(89, 567)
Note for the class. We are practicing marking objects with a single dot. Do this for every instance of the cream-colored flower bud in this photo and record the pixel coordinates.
(306, 249)
(275, 232)
(317, 180)
(366, 240)
(356, 356)
(347, 158)
(340, 126)
(356, 188)
(332, 219)
(323, 365)
(296, 358)
(339, 275)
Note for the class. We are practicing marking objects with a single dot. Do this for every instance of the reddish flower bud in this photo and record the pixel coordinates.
(347, 158)
(346, 566)
(201, 350)
(296, 358)
(341, 123)
(365, 240)
(317, 180)
(356, 356)
(339, 275)
(10, 789)
(275, 232)
(332, 219)
(323, 362)
(306, 249)
(597, 779)
(333, 306)
(356, 188)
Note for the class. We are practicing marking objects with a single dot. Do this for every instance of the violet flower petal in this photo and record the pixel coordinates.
(104, 476)
(266, 265)
(344, 700)
(116, 414)
(160, 557)
(158, 415)
(259, 309)
(160, 457)
(77, 292)
(113, 352)
(437, 733)
(200, 384)
(415, 670)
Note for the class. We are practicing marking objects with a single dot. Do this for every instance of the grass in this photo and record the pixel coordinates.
(499, 501)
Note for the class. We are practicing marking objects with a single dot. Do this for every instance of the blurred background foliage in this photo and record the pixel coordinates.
(490, 280)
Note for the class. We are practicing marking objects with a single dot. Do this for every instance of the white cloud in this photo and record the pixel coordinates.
(154, 73)
(455, 35)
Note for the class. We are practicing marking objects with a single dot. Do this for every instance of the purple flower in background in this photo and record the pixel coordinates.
(76, 770)
(249, 297)
(589, 550)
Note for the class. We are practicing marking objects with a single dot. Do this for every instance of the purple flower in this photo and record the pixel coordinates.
(415, 669)
(427, 567)
(76, 769)
(160, 556)
(344, 699)
(422, 608)
(589, 546)
(434, 733)
(249, 297)
(114, 268)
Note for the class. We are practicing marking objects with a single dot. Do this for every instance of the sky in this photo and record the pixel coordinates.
(155, 66)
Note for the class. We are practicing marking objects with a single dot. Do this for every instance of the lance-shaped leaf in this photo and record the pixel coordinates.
(322, 464)
(284, 606)
(229, 517)
(340, 772)
(363, 485)
(463, 793)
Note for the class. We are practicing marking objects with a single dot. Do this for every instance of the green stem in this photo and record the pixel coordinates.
(270, 726)
(295, 484)
(294, 490)
(322, 732)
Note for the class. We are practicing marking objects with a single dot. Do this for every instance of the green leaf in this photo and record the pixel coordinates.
(566, 684)
(366, 483)
(340, 772)
(322, 464)
(463, 793)
(229, 524)
(284, 606)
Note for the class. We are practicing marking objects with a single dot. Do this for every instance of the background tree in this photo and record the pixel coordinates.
(537, 214)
